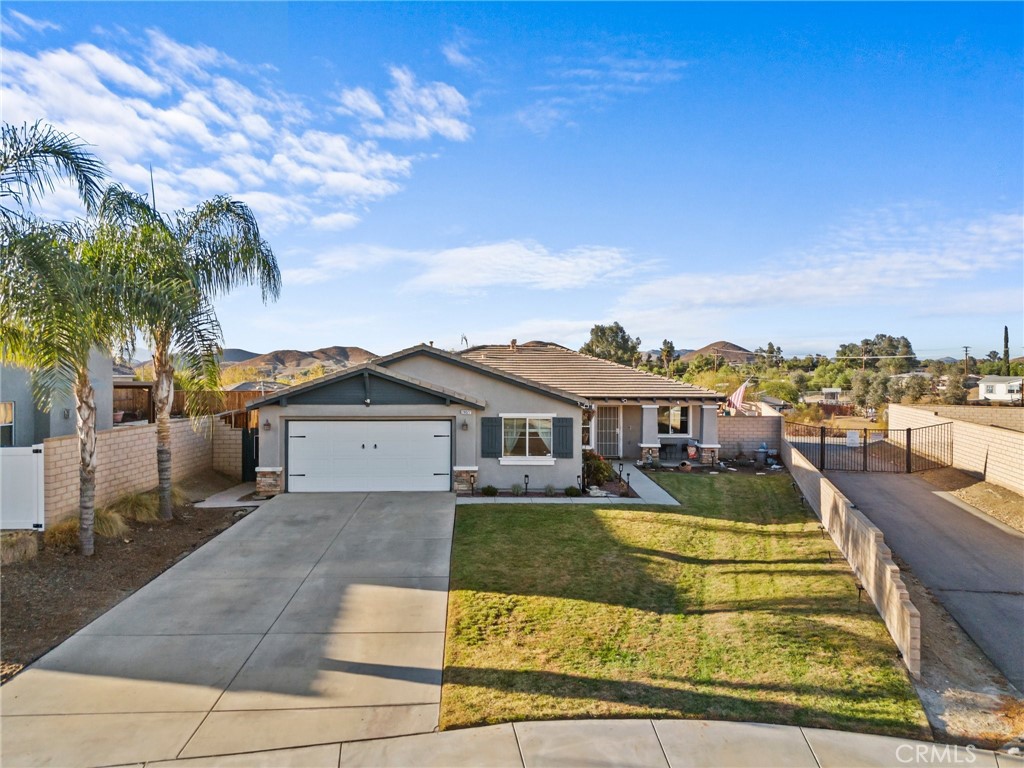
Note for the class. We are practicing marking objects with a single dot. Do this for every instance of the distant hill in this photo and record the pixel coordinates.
(654, 355)
(234, 355)
(726, 350)
(289, 362)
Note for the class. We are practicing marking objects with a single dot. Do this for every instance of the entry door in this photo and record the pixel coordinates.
(609, 434)
(369, 456)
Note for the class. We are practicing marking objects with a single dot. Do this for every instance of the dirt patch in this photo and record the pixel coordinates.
(968, 700)
(1001, 503)
(45, 600)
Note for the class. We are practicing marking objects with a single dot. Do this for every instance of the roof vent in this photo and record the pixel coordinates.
(512, 345)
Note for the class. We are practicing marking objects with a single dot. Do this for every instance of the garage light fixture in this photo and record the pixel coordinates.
(266, 425)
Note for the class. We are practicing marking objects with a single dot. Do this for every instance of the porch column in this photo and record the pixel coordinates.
(649, 442)
(708, 441)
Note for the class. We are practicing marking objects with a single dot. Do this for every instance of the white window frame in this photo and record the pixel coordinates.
(527, 461)
(689, 422)
(592, 426)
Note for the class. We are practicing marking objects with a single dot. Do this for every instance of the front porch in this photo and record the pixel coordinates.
(662, 430)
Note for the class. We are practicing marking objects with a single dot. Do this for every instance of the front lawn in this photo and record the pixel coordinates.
(728, 607)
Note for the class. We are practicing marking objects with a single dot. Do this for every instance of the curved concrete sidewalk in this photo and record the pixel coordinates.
(618, 744)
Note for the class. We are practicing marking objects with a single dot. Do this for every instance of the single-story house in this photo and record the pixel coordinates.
(427, 419)
(1005, 389)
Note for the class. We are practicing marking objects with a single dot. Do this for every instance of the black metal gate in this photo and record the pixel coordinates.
(250, 451)
(874, 450)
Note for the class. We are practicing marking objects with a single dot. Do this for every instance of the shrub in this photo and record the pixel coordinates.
(18, 547)
(596, 470)
(549, 490)
(143, 507)
(572, 491)
(109, 524)
(62, 536)
(488, 490)
(517, 489)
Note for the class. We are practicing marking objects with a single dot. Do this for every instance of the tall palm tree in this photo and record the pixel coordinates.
(33, 157)
(56, 306)
(204, 252)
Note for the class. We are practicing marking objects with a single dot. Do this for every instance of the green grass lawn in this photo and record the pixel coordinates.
(725, 608)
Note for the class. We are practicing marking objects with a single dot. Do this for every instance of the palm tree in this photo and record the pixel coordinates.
(56, 306)
(33, 157)
(204, 252)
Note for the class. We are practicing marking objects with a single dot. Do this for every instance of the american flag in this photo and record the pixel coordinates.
(735, 400)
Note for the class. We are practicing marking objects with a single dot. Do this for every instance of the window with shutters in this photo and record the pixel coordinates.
(527, 438)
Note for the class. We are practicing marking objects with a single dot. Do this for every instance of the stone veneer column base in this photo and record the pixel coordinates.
(709, 454)
(269, 481)
(461, 479)
(649, 453)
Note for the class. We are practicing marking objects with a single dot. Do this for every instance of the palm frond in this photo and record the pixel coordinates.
(33, 158)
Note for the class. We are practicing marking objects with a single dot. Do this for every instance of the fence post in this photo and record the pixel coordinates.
(821, 449)
(910, 455)
(865, 449)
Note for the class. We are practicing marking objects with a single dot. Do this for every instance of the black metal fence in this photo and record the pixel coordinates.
(874, 450)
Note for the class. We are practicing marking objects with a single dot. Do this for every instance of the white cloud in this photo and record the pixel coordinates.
(885, 257)
(36, 25)
(414, 111)
(455, 53)
(210, 125)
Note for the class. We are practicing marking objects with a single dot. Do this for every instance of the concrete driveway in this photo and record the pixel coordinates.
(972, 565)
(318, 618)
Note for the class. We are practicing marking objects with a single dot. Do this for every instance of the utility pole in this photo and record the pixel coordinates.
(966, 349)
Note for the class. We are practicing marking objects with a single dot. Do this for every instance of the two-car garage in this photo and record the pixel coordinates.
(369, 455)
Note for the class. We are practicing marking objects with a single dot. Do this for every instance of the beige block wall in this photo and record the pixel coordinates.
(993, 416)
(864, 548)
(746, 433)
(125, 463)
(227, 449)
(992, 453)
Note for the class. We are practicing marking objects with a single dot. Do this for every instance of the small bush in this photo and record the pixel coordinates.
(109, 524)
(18, 547)
(549, 490)
(572, 491)
(143, 507)
(596, 470)
(488, 490)
(517, 489)
(62, 536)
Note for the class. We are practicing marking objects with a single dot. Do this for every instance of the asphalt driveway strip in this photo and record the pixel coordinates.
(319, 618)
(974, 567)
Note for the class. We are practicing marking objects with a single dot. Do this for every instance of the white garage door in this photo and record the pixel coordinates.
(369, 456)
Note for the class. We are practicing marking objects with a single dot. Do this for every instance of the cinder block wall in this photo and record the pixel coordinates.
(746, 433)
(993, 453)
(125, 463)
(993, 416)
(227, 449)
(864, 548)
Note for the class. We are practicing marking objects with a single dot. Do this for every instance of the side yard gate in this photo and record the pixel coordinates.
(874, 450)
(21, 488)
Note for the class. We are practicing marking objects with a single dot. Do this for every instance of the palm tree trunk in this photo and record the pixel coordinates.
(85, 410)
(163, 371)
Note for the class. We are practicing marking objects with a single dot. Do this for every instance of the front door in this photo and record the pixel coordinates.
(609, 433)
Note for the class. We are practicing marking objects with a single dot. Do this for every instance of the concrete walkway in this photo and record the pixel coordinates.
(619, 744)
(974, 566)
(317, 618)
(649, 493)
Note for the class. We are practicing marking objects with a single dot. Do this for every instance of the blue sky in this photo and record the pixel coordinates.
(807, 174)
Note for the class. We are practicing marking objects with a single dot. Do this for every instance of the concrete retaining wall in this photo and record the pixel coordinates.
(125, 463)
(993, 453)
(863, 545)
(746, 433)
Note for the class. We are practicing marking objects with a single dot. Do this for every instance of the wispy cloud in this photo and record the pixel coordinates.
(586, 81)
(456, 52)
(209, 124)
(474, 268)
(887, 256)
(413, 111)
(13, 25)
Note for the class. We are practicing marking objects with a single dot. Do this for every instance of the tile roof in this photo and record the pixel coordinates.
(589, 377)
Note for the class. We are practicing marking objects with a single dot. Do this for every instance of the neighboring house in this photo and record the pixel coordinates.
(1006, 389)
(256, 386)
(426, 419)
(23, 423)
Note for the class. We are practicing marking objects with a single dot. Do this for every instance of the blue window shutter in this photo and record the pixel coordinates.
(562, 438)
(490, 438)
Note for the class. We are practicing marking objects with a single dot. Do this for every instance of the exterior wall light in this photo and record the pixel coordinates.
(266, 425)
